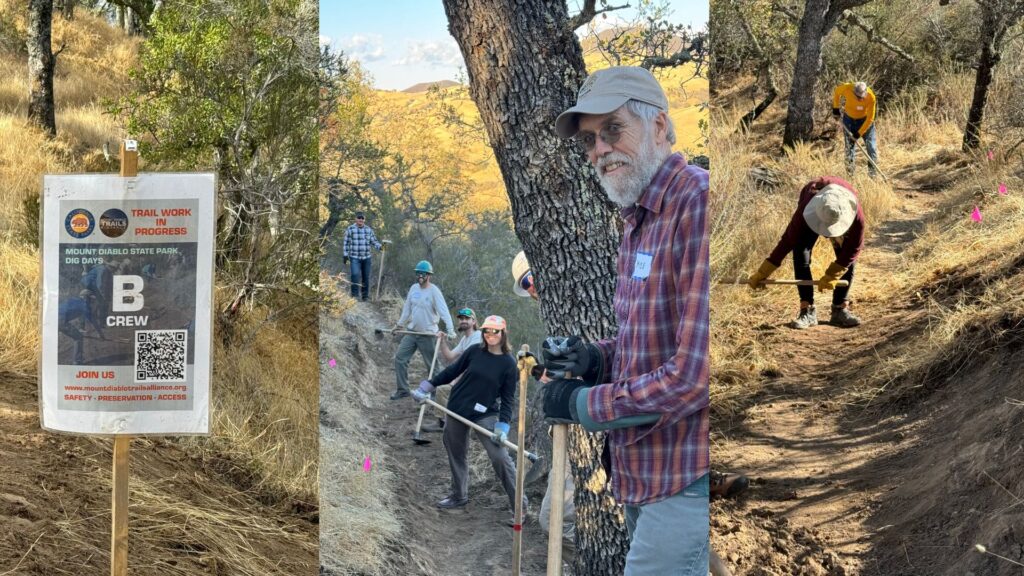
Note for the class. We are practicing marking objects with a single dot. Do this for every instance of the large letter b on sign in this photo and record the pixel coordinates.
(127, 293)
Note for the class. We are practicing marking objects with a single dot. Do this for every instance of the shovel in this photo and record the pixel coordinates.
(418, 437)
(856, 141)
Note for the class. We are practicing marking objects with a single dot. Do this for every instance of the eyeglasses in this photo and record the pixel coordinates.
(610, 134)
(527, 282)
(422, 274)
(491, 332)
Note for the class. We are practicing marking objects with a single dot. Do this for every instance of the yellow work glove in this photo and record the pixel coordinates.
(830, 278)
(763, 272)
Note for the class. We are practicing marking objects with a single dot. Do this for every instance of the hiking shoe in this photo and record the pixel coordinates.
(727, 484)
(807, 318)
(399, 394)
(439, 427)
(843, 318)
(452, 502)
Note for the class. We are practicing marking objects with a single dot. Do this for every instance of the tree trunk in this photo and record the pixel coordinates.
(996, 20)
(40, 66)
(820, 17)
(525, 66)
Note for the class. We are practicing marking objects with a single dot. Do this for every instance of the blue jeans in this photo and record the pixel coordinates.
(870, 143)
(359, 273)
(670, 537)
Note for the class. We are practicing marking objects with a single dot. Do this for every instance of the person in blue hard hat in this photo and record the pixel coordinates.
(424, 307)
(68, 314)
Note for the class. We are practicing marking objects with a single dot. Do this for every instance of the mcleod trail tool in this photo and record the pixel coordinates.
(417, 438)
(856, 141)
(769, 282)
(380, 271)
(526, 364)
(390, 331)
(529, 455)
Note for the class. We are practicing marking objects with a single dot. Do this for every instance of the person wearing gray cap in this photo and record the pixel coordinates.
(827, 207)
(648, 386)
(356, 250)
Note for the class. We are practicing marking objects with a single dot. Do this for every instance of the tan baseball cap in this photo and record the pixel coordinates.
(606, 90)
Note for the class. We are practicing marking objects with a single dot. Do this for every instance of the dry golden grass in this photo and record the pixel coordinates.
(19, 308)
(358, 515)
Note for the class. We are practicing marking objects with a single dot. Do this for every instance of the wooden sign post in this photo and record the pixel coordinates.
(119, 492)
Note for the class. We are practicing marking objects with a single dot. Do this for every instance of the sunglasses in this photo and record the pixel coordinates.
(491, 332)
(422, 274)
(465, 312)
(610, 134)
(527, 282)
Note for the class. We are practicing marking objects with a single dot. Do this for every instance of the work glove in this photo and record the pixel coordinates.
(831, 277)
(451, 334)
(560, 400)
(500, 433)
(572, 357)
(346, 259)
(763, 272)
(835, 113)
(422, 394)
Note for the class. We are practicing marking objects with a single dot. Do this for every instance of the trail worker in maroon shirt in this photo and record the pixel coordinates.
(648, 386)
(827, 207)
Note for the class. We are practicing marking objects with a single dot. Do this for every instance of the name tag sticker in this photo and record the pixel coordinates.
(642, 266)
(480, 408)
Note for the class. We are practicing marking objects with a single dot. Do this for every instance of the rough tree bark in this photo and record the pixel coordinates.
(525, 65)
(996, 19)
(819, 18)
(40, 66)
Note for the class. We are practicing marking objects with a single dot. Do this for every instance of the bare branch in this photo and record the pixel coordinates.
(874, 36)
(589, 12)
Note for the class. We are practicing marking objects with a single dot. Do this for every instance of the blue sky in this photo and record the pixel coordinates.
(403, 42)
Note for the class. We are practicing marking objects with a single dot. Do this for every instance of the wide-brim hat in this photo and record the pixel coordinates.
(831, 211)
(520, 267)
(606, 90)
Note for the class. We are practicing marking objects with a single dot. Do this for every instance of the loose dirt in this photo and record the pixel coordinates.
(843, 490)
(190, 513)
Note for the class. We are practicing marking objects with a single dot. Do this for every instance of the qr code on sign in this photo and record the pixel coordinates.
(160, 355)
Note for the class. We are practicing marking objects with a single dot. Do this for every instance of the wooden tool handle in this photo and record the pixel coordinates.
(557, 500)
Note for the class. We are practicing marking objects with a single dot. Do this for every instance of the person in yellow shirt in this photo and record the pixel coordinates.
(857, 118)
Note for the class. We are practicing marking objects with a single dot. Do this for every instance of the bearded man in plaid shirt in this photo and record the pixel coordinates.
(647, 387)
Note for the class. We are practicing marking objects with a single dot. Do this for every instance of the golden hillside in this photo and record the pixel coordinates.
(394, 110)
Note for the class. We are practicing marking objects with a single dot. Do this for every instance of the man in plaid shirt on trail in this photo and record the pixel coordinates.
(647, 387)
(356, 249)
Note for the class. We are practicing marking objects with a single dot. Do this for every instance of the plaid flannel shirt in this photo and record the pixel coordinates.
(659, 359)
(358, 241)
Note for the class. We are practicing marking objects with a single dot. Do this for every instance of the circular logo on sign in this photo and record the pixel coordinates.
(79, 223)
(113, 223)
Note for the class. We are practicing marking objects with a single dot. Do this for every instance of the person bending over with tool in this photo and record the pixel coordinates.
(827, 207)
(856, 119)
(485, 394)
(424, 306)
(466, 319)
(648, 386)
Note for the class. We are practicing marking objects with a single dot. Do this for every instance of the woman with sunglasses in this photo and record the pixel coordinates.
(485, 395)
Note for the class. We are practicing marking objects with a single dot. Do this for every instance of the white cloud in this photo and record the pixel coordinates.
(434, 53)
(364, 47)
(325, 40)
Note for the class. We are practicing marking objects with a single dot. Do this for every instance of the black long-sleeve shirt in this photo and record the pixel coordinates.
(486, 379)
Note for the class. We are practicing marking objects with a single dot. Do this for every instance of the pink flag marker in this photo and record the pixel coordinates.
(332, 363)
(991, 155)
(367, 464)
(976, 215)
(1002, 189)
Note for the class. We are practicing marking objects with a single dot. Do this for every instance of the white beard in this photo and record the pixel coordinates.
(626, 189)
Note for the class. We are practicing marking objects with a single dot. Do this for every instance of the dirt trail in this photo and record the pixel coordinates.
(817, 472)
(470, 541)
